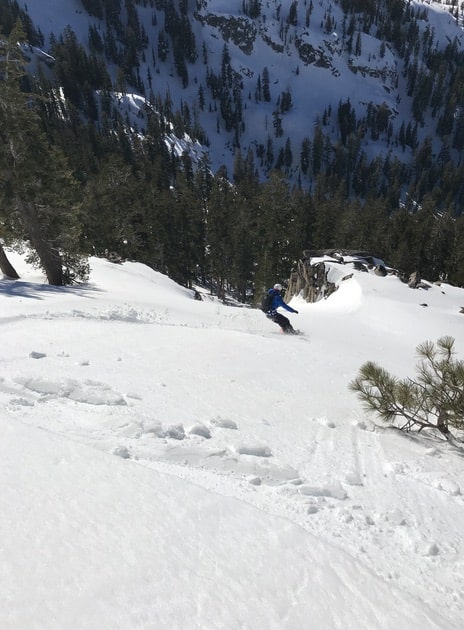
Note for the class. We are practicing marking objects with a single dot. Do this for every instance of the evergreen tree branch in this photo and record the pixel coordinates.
(434, 400)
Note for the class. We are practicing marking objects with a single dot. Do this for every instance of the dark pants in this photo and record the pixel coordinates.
(281, 321)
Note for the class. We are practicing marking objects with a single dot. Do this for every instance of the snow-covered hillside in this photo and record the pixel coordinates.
(168, 463)
(307, 60)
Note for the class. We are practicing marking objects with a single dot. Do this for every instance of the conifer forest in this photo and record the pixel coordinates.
(78, 178)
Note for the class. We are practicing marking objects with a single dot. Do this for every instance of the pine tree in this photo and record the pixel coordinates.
(265, 86)
(38, 195)
(220, 221)
(111, 204)
(292, 17)
(279, 235)
(435, 399)
(305, 155)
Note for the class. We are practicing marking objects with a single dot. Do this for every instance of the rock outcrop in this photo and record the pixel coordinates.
(311, 278)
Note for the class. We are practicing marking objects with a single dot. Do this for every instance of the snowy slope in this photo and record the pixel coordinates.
(332, 77)
(170, 464)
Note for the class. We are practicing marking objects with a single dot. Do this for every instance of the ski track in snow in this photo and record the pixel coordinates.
(334, 471)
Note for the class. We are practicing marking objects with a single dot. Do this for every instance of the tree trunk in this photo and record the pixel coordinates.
(442, 422)
(50, 258)
(6, 267)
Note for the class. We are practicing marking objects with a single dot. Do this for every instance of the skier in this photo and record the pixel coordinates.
(274, 300)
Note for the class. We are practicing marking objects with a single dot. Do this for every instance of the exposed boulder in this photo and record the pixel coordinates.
(310, 281)
(311, 277)
(380, 270)
(360, 266)
(414, 280)
(240, 30)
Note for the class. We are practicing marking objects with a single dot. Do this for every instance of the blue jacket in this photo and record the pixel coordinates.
(277, 302)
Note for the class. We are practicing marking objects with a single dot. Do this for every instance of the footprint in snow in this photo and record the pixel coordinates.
(201, 430)
(255, 451)
(224, 423)
(326, 422)
(89, 392)
(353, 478)
(332, 490)
(121, 451)
(174, 431)
(447, 485)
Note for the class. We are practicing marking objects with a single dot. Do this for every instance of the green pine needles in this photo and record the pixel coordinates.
(434, 399)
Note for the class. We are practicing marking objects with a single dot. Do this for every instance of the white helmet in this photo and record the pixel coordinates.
(278, 287)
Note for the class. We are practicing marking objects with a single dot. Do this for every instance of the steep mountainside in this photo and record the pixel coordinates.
(292, 85)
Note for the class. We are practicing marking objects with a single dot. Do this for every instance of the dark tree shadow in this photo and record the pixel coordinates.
(35, 291)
